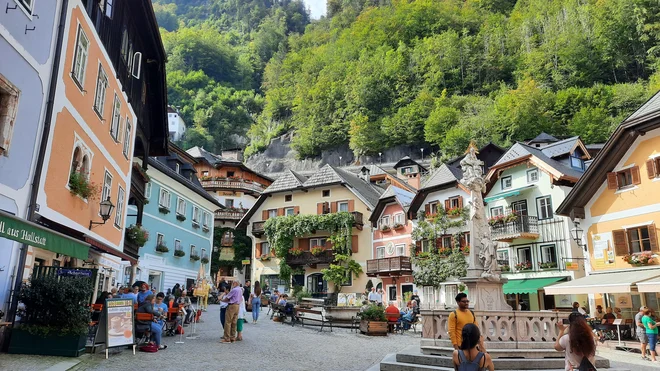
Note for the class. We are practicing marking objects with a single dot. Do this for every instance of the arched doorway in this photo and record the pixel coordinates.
(317, 286)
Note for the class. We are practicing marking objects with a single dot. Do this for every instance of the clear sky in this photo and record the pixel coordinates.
(317, 7)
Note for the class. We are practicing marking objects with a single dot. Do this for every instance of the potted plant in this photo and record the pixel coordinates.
(511, 217)
(444, 251)
(397, 226)
(136, 235)
(548, 265)
(295, 251)
(525, 266)
(205, 260)
(162, 248)
(496, 219)
(316, 250)
(179, 253)
(454, 212)
(373, 321)
(56, 317)
(180, 217)
(79, 185)
(505, 268)
(194, 257)
(465, 250)
(384, 228)
(163, 209)
(640, 259)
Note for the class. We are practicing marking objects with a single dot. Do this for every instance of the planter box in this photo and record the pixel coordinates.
(23, 342)
(373, 328)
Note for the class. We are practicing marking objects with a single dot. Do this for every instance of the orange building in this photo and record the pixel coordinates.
(109, 106)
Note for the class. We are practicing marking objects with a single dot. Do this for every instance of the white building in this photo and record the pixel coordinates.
(177, 126)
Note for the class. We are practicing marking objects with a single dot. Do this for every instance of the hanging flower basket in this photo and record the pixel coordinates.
(179, 253)
(137, 235)
(640, 259)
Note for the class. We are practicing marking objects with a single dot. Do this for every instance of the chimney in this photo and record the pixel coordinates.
(415, 181)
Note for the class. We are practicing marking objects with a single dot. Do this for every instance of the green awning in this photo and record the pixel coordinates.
(23, 231)
(528, 286)
(509, 193)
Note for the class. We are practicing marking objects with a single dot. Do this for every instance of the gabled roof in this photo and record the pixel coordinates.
(521, 152)
(645, 119)
(543, 138)
(562, 147)
(288, 181)
(443, 175)
(406, 160)
(160, 164)
(217, 161)
(374, 170)
(326, 175)
(392, 194)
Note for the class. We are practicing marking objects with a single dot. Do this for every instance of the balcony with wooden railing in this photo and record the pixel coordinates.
(510, 227)
(386, 267)
(359, 220)
(218, 183)
(258, 228)
(230, 214)
(307, 258)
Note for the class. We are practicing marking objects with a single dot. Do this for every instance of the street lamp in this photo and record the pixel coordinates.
(105, 209)
(576, 234)
(380, 158)
(339, 161)
(422, 153)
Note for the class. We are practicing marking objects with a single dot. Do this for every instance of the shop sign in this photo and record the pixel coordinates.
(116, 324)
(73, 272)
(572, 266)
(246, 261)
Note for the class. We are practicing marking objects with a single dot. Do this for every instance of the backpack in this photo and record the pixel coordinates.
(466, 365)
(149, 348)
(474, 318)
(586, 365)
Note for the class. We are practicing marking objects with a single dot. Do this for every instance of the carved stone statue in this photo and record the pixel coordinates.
(482, 260)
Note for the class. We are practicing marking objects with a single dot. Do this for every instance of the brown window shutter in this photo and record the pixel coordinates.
(264, 215)
(354, 244)
(319, 208)
(653, 238)
(418, 245)
(280, 211)
(303, 244)
(296, 210)
(460, 202)
(612, 181)
(650, 169)
(333, 207)
(351, 205)
(272, 251)
(620, 244)
(447, 204)
(636, 178)
(462, 240)
(427, 209)
(438, 242)
(257, 253)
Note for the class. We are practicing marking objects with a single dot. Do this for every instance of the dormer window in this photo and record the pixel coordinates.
(576, 161)
(407, 170)
(506, 182)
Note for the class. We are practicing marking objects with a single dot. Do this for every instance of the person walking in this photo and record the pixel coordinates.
(233, 299)
(578, 342)
(459, 318)
(640, 331)
(255, 301)
(470, 356)
(651, 331)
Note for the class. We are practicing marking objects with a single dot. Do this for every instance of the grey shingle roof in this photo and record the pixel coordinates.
(520, 150)
(443, 175)
(160, 164)
(289, 180)
(543, 138)
(651, 105)
(326, 175)
(563, 147)
(368, 192)
(374, 170)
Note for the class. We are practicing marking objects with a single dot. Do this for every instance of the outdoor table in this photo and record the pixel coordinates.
(618, 328)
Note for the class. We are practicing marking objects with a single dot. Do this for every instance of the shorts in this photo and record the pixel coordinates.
(239, 325)
(641, 336)
(653, 339)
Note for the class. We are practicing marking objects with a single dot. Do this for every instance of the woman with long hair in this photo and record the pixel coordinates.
(577, 340)
(255, 299)
(470, 356)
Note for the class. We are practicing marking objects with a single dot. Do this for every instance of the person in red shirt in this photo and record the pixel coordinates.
(392, 314)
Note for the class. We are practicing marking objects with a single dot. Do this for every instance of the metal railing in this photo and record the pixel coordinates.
(522, 224)
(228, 214)
(233, 184)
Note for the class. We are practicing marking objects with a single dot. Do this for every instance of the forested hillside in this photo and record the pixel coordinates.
(378, 73)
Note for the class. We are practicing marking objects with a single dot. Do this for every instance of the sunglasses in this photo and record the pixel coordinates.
(465, 301)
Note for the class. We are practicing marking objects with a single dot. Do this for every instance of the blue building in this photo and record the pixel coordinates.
(179, 219)
(27, 49)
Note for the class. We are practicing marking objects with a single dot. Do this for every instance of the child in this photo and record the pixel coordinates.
(241, 319)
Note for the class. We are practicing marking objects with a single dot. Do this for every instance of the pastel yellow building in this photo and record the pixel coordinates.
(616, 207)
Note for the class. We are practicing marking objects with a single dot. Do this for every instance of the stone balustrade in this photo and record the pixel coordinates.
(499, 326)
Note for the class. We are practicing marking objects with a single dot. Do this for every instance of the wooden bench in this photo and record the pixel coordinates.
(300, 316)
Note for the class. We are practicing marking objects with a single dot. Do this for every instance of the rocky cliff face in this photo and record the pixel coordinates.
(279, 156)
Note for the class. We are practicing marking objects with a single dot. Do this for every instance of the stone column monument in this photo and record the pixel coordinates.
(484, 279)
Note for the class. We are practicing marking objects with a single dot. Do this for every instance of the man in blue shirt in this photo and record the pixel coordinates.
(132, 295)
(161, 308)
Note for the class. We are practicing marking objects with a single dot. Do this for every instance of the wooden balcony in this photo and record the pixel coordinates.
(524, 226)
(258, 228)
(388, 267)
(226, 214)
(307, 258)
(359, 220)
(230, 184)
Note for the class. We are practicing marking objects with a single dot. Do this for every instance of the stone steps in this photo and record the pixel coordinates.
(494, 344)
(499, 353)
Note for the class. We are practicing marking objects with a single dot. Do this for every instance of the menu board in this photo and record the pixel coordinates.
(117, 323)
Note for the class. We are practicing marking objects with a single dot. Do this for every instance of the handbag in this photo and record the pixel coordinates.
(585, 365)
(149, 348)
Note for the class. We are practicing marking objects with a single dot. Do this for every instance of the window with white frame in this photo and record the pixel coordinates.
(181, 206)
(9, 95)
(108, 8)
(177, 244)
(195, 214)
(549, 255)
(450, 294)
(503, 257)
(446, 241)
(205, 173)
(320, 242)
(265, 248)
(506, 182)
(532, 175)
(496, 211)
(116, 119)
(398, 218)
(454, 202)
(380, 252)
(80, 58)
(147, 190)
(434, 208)
(426, 246)
(272, 213)
(159, 239)
(207, 220)
(204, 254)
(107, 186)
(164, 199)
(544, 207)
(342, 206)
(119, 214)
(127, 137)
(401, 249)
(193, 250)
(27, 5)
(385, 221)
(349, 281)
(525, 257)
(101, 88)
(289, 211)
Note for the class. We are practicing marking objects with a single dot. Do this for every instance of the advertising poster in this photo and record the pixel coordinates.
(623, 300)
(119, 322)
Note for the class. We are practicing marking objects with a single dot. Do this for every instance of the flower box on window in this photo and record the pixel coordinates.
(548, 265)
(465, 250)
(264, 258)
(205, 260)
(295, 251)
(195, 224)
(640, 259)
(397, 226)
(525, 266)
(505, 268)
(444, 251)
(180, 217)
(384, 228)
(206, 229)
(81, 186)
(164, 209)
(455, 212)
(194, 257)
(162, 248)
(316, 250)
(179, 253)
